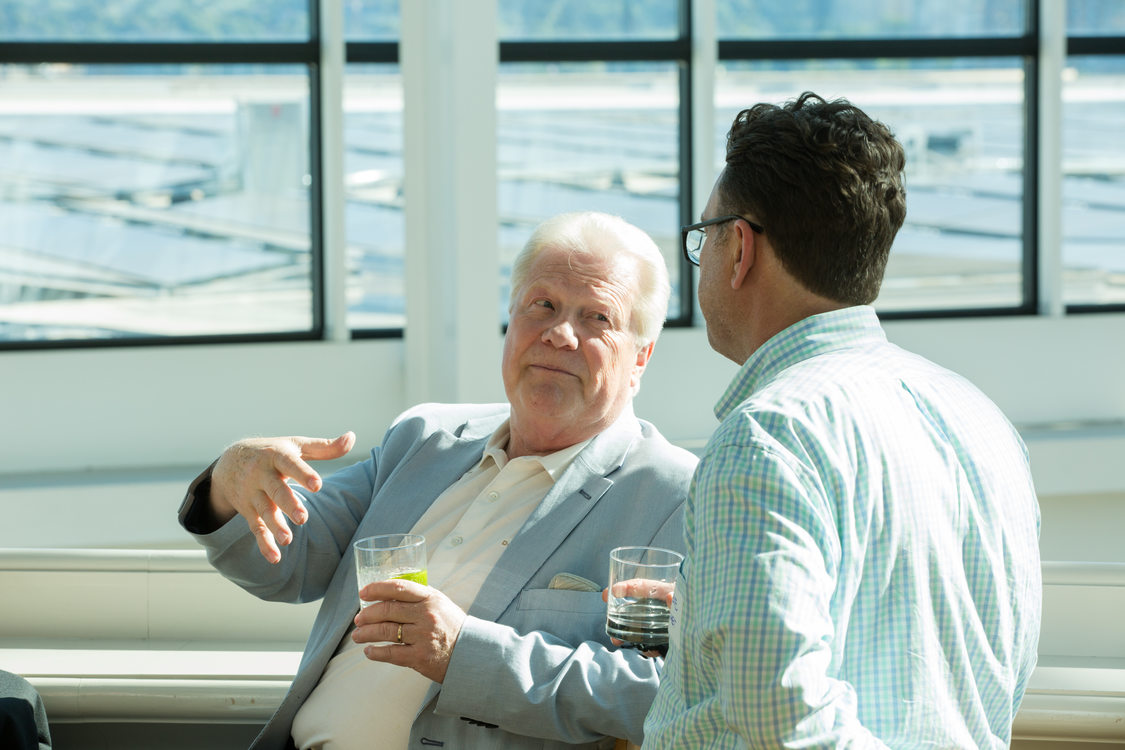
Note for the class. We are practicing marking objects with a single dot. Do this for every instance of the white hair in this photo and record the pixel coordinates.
(593, 231)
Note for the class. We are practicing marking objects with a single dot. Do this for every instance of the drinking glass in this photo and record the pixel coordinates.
(641, 584)
(378, 558)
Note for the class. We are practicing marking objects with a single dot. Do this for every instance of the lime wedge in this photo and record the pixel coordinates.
(418, 576)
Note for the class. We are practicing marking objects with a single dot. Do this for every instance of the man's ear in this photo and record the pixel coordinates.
(644, 354)
(747, 253)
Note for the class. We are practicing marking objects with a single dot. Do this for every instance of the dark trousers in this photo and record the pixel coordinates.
(23, 719)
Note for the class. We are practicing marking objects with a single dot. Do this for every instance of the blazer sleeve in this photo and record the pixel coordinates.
(308, 563)
(538, 686)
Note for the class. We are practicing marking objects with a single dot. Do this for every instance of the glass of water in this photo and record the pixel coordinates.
(378, 558)
(641, 584)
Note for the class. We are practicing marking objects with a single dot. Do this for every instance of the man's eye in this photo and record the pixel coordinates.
(601, 317)
(544, 303)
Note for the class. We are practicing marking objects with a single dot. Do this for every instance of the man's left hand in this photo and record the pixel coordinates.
(430, 625)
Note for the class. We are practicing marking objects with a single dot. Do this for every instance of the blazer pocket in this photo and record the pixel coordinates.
(573, 616)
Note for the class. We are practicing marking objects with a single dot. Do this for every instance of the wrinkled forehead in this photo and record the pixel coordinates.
(598, 268)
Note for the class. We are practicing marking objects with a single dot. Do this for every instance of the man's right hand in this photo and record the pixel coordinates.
(249, 480)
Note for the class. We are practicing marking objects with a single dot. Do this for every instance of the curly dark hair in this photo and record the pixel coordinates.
(826, 182)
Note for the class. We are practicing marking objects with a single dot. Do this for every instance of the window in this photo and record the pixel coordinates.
(155, 171)
(1093, 191)
(593, 116)
(373, 216)
(161, 164)
(587, 136)
(952, 85)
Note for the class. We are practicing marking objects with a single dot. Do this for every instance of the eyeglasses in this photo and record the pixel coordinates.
(693, 235)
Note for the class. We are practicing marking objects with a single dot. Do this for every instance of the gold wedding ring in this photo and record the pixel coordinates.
(399, 636)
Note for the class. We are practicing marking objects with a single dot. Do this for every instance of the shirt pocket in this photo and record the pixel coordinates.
(573, 616)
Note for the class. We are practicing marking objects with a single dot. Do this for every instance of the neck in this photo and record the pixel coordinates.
(540, 435)
(775, 306)
(526, 440)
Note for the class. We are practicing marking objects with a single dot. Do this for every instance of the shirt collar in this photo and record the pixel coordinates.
(553, 463)
(812, 336)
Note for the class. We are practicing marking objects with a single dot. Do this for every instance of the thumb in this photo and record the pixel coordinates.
(322, 449)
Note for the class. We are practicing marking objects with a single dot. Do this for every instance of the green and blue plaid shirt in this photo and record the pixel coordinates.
(863, 563)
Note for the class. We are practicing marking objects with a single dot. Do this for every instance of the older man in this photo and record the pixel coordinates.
(520, 504)
(862, 533)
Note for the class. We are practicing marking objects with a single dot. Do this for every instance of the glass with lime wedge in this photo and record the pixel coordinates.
(378, 558)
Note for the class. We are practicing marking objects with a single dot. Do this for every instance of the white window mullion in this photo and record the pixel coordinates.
(449, 54)
(334, 236)
(704, 60)
(1052, 60)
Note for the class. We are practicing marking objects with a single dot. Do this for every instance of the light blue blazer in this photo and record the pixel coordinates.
(532, 667)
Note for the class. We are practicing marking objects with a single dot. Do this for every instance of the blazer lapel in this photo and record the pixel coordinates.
(575, 493)
(439, 462)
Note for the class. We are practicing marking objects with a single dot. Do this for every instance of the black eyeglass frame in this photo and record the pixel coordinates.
(693, 256)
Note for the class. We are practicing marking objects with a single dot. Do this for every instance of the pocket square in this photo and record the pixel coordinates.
(572, 582)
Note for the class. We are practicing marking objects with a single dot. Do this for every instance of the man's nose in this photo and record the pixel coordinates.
(561, 334)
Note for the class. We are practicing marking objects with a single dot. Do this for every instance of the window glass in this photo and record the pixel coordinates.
(1095, 17)
(860, 19)
(588, 19)
(171, 201)
(589, 136)
(154, 20)
(1093, 219)
(371, 20)
(373, 214)
(961, 123)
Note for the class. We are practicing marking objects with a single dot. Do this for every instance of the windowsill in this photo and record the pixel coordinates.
(1077, 698)
(154, 653)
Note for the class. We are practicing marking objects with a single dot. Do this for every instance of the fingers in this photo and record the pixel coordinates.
(431, 624)
(322, 449)
(380, 622)
(644, 588)
(385, 633)
(274, 518)
(291, 464)
(390, 591)
(251, 479)
(282, 499)
(266, 544)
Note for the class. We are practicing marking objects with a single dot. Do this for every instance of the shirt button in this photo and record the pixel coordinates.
(455, 541)
(493, 496)
(504, 543)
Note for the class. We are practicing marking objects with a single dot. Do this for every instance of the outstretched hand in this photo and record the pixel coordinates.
(250, 480)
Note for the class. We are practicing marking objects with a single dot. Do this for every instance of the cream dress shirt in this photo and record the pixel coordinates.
(360, 703)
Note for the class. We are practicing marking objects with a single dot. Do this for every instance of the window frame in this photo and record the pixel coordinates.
(1091, 46)
(300, 53)
(676, 50)
(1024, 46)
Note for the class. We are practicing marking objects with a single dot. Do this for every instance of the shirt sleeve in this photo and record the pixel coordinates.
(764, 563)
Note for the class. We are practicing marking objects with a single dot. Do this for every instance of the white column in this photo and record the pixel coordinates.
(332, 170)
(1052, 60)
(704, 59)
(449, 57)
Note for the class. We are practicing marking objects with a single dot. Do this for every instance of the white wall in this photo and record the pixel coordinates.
(94, 437)
(147, 407)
